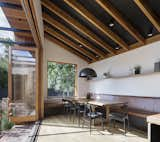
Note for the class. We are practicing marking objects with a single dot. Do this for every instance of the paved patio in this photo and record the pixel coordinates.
(19, 133)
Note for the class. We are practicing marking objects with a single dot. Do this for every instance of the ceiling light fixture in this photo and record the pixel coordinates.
(117, 47)
(150, 33)
(111, 23)
(80, 45)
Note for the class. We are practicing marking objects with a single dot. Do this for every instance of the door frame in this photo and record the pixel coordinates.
(22, 119)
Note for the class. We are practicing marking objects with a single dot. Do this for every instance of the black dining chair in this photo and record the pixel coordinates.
(66, 106)
(73, 109)
(81, 109)
(120, 114)
(90, 116)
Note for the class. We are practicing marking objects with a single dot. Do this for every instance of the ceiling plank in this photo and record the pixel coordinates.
(66, 47)
(23, 34)
(52, 7)
(72, 34)
(10, 5)
(119, 18)
(148, 13)
(18, 23)
(98, 24)
(11, 1)
(69, 42)
(14, 13)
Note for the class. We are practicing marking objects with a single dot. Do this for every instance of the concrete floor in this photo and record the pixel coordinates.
(61, 129)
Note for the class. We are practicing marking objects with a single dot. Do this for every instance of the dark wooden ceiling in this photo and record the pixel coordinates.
(92, 29)
(98, 29)
(17, 19)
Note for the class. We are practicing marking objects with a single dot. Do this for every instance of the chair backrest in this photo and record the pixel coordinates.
(87, 109)
(123, 108)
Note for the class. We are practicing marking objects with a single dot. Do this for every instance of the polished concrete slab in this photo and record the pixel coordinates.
(61, 129)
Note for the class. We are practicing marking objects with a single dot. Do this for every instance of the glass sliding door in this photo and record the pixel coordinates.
(24, 84)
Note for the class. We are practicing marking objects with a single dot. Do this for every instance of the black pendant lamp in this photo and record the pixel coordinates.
(87, 73)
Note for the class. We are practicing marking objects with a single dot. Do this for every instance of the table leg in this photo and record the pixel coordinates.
(107, 114)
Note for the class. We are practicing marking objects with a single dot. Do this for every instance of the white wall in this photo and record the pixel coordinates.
(122, 65)
(53, 52)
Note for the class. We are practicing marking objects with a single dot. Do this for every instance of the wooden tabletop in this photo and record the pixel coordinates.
(94, 102)
(105, 102)
(77, 100)
(154, 119)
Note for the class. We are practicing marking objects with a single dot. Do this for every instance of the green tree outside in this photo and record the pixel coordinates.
(61, 79)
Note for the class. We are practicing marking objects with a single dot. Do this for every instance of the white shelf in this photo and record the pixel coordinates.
(127, 76)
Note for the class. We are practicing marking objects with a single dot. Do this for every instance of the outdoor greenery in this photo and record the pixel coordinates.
(4, 63)
(61, 79)
(6, 124)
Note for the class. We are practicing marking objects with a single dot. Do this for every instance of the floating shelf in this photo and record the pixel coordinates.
(127, 76)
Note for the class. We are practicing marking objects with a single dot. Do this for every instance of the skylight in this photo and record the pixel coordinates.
(4, 23)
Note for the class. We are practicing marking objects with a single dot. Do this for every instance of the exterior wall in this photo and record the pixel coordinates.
(123, 64)
(53, 52)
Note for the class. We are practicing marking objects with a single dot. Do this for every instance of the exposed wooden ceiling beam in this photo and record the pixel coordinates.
(72, 34)
(69, 42)
(14, 13)
(66, 47)
(53, 8)
(119, 18)
(30, 15)
(148, 13)
(97, 23)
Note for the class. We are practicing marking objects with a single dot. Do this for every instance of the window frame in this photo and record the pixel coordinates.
(76, 78)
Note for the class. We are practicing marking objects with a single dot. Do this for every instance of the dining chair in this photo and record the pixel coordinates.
(80, 111)
(90, 116)
(74, 109)
(120, 114)
(66, 106)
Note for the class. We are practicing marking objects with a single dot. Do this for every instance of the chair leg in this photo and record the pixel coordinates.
(83, 124)
(128, 124)
(70, 114)
(102, 123)
(78, 118)
(74, 115)
(124, 126)
(114, 123)
(90, 125)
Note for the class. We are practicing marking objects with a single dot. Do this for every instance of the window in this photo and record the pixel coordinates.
(61, 79)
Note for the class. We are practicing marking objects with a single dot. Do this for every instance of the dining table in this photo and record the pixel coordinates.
(107, 104)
